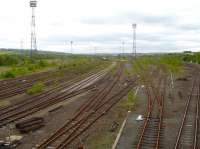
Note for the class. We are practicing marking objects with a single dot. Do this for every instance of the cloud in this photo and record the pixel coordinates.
(103, 24)
(131, 17)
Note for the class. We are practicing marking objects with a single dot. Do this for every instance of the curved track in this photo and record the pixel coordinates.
(49, 98)
(87, 115)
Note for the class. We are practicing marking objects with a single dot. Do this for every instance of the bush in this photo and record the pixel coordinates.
(42, 63)
(36, 88)
(129, 103)
(8, 74)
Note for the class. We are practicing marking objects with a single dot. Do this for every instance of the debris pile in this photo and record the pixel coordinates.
(10, 142)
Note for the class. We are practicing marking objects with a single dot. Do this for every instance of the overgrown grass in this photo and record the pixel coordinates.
(22, 64)
(144, 66)
(4, 103)
(36, 88)
(82, 64)
(102, 140)
(168, 63)
(129, 103)
(25, 68)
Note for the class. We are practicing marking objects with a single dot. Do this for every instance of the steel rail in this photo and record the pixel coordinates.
(197, 120)
(81, 110)
(43, 104)
(150, 107)
(34, 98)
(117, 97)
(184, 116)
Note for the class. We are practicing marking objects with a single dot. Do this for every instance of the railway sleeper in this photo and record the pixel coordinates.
(32, 128)
(29, 122)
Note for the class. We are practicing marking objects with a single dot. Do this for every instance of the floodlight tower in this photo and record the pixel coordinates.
(134, 39)
(33, 5)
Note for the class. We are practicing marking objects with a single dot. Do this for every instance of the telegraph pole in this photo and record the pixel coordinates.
(33, 5)
(71, 43)
(123, 43)
(21, 46)
(134, 39)
(95, 50)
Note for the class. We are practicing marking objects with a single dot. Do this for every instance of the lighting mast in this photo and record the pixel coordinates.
(33, 5)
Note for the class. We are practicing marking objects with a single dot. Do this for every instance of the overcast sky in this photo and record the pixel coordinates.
(102, 25)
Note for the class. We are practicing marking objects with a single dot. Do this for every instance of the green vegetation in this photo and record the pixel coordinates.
(192, 57)
(144, 66)
(36, 88)
(102, 140)
(114, 70)
(169, 63)
(25, 68)
(129, 103)
(4, 103)
(18, 64)
(81, 64)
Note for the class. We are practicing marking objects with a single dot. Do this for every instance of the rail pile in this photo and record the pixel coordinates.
(87, 115)
(151, 132)
(39, 102)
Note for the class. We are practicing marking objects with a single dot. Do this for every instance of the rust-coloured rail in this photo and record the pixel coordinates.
(24, 109)
(150, 120)
(86, 115)
(191, 117)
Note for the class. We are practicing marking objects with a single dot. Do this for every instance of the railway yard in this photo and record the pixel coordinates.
(88, 110)
(103, 74)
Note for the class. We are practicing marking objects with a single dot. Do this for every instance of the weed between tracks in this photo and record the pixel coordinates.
(4, 103)
(147, 67)
(103, 138)
(167, 63)
(129, 103)
(36, 88)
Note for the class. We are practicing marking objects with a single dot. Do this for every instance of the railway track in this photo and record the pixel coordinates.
(8, 83)
(151, 132)
(49, 98)
(188, 134)
(12, 87)
(87, 115)
(19, 87)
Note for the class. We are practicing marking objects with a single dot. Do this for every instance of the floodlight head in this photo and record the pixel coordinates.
(134, 25)
(33, 3)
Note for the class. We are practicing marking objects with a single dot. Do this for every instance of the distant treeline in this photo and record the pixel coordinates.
(193, 57)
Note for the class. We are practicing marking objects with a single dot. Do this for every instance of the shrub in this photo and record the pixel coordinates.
(8, 74)
(36, 88)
